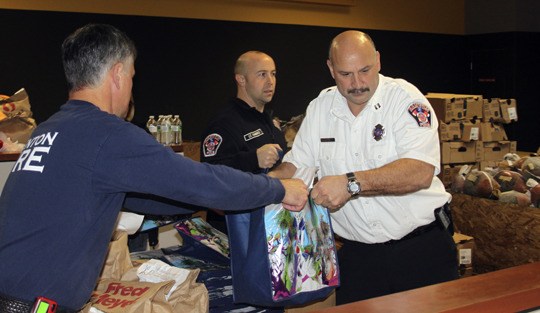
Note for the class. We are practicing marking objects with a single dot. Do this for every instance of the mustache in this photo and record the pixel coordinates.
(358, 90)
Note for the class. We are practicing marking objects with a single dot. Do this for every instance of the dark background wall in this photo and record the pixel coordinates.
(185, 65)
(505, 65)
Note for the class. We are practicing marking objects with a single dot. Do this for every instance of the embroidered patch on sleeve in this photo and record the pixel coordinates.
(211, 144)
(421, 114)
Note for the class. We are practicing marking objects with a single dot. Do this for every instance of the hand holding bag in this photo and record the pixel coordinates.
(283, 258)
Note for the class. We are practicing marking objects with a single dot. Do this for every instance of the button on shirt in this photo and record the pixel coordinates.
(337, 142)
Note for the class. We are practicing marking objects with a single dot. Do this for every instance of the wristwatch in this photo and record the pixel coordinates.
(353, 186)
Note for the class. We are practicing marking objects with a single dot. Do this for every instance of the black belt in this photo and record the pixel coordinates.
(415, 233)
(12, 305)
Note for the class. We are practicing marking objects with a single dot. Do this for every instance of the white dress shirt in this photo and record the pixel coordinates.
(337, 142)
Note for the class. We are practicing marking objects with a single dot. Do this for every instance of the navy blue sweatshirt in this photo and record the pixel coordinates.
(60, 203)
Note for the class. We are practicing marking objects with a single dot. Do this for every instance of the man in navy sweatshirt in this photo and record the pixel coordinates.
(81, 166)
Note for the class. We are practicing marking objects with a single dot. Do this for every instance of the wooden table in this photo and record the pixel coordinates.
(510, 290)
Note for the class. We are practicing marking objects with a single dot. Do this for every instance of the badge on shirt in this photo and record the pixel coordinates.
(211, 144)
(254, 134)
(421, 114)
(378, 132)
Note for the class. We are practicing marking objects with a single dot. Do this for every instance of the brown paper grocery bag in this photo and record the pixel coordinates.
(190, 296)
(115, 296)
(16, 116)
(18, 129)
(118, 260)
(17, 104)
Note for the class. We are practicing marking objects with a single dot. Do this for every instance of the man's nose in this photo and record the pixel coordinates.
(355, 80)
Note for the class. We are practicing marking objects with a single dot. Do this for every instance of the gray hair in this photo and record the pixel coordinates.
(90, 51)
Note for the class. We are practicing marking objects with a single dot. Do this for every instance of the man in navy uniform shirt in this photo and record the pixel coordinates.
(243, 135)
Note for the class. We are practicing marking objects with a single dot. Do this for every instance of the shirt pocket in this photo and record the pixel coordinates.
(380, 154)
(332, 158)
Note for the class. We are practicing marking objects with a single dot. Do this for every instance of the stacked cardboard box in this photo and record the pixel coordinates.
(471, 130)
(465, 248)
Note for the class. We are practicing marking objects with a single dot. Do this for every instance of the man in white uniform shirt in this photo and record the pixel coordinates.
(375, 141)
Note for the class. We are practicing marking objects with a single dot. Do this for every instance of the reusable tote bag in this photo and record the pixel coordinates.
(283, 258)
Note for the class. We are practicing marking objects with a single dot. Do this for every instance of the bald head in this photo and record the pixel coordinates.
(247, 59)
(351, 40)
(255, 75)
(354, 64)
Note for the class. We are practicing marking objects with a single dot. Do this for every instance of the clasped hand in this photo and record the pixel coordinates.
(296, 194)
(268, 155)
(331, 192)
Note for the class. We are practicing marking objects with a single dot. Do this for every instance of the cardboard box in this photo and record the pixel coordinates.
(461, 152)
(496, 150)
(473, 105)
(465, 248)
(449, 171)
(464, 130)
(470, 130)
(490, 131)
(449, 131)
(491, 111)
(449, 106)
(508, 110)
(487, 165)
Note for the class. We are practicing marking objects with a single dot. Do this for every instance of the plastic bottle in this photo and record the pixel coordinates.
(158, 125)
(151, 125)
(166, 137)
(176, 128)
(171, 135)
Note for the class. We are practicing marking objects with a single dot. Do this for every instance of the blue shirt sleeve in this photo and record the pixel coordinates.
(132, 161)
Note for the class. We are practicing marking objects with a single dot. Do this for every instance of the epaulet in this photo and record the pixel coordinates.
(326, 90)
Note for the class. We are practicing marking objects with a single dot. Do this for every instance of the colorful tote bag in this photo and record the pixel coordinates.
(283, 258)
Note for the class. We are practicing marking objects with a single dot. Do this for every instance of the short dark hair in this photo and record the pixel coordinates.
(92, 50)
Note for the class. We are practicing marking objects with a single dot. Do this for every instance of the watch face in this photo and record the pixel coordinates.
(353, 188)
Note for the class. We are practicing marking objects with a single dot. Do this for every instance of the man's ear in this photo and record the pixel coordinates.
(240, 79)
(378, 62)
(330, 67)
(117, 72)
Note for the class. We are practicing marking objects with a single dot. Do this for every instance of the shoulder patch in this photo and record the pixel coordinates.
(211, 144)
(420, 112)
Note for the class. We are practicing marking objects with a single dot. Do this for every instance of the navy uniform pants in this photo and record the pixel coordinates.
(372, 270)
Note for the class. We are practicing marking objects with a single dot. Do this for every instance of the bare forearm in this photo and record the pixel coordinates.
(284, 170)
(399, 177)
